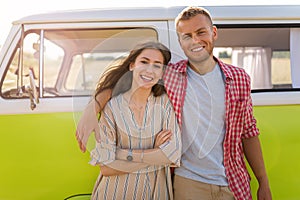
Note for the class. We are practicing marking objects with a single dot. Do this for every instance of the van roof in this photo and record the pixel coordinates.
(254, 12)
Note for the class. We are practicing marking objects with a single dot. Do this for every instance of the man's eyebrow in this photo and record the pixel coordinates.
(199, 29)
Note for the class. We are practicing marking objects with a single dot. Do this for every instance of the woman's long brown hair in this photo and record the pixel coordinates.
(119, 78)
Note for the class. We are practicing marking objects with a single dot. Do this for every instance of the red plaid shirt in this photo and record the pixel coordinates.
(239, 120)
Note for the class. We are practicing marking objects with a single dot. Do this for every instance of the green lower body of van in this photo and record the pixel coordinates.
(40, 159)
(280, 138)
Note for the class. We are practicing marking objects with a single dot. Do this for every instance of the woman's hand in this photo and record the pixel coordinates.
(162, 137)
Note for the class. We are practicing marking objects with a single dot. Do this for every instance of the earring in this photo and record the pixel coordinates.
(160, 82)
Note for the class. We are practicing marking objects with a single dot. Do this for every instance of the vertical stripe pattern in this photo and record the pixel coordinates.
(119, 129)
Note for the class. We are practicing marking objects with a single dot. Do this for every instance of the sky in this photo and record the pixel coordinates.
(11, 10)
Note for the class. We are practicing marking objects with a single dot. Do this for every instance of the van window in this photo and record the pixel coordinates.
(17, 78)
(87, 68)
(54, 56)
(86, 54)
(281, 69)
(262, 50)
(69, 62)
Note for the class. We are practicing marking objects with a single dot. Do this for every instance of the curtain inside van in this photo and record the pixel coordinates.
(257, 63)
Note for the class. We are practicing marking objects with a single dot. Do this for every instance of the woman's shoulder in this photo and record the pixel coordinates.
(116, 98)
(115, 101)
(163, 99)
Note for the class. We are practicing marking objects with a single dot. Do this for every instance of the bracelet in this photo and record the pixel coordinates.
(142, 155)
(129, 156)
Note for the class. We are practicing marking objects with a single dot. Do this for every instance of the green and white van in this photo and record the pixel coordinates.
(50, 64)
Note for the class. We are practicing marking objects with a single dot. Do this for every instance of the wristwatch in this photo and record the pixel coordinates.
(129, 156)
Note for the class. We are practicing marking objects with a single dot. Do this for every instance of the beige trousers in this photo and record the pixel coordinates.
(187, 189)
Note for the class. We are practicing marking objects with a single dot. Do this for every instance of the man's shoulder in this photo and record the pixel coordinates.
(175, 72)
(179, 66)
(178, 63)
(231, 69)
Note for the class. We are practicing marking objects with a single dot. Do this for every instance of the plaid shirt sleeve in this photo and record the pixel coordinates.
(240, 124)
(175, 82)
(250, 122)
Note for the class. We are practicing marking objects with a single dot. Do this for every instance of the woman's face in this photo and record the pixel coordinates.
(147, 69)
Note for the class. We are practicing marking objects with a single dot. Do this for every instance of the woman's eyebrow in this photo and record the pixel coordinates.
(148, 59)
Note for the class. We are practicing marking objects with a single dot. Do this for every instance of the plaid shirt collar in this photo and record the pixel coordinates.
(183, 65)
(226, 72)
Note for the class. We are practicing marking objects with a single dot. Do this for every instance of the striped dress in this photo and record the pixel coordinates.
(118, 129)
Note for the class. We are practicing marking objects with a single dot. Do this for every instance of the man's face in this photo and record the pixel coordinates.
(196, 37)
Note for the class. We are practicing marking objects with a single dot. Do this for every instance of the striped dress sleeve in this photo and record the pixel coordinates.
(104, 152)
(171, 149)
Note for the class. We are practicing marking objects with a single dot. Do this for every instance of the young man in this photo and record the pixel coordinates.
(213, 105)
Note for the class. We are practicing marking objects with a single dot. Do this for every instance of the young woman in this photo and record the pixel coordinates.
(139, 135)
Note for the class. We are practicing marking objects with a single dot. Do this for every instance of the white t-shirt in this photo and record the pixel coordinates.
(203, 128)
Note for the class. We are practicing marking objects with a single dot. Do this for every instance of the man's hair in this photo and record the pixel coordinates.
(190, 12)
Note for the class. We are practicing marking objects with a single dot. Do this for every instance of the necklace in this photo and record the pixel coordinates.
(132, 103)
(137, 112)
(139, 107)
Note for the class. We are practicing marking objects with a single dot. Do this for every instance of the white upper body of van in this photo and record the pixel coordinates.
(247, 34)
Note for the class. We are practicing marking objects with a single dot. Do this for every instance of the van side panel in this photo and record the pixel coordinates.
(55, 161)
(280, 139)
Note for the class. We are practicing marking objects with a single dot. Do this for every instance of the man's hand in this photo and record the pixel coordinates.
(253, 153)
(264, 191)
(87, 124)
